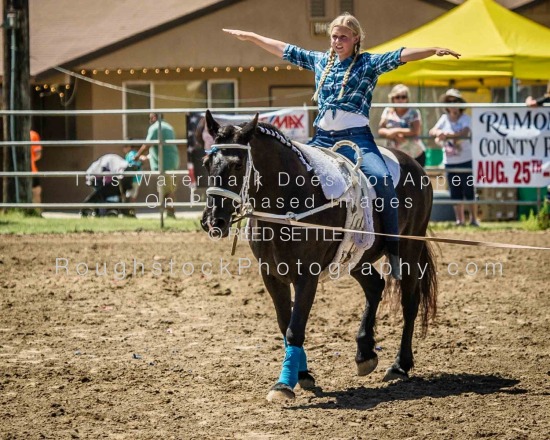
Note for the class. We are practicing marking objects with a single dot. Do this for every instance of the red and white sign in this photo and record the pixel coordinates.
(511, 147)
(292, 122)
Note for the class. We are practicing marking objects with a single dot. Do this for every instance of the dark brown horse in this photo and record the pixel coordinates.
(293, 255)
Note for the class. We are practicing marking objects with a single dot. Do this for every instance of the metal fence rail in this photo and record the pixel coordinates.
(190, 205)
(80, 143)
(250, 110)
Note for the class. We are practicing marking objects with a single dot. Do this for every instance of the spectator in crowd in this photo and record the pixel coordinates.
(36, 155)
(402, 126)
(451, 133)
(134, 164)
(171, 159)
(106, 188)
(544, 99)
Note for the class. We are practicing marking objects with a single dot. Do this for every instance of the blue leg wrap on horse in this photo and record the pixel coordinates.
(291, 364)
(303, 357)
(303, 361)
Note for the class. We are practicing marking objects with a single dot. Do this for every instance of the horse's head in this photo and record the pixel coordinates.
(228, 166)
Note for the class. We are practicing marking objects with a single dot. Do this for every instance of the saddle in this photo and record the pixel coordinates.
(343, 181)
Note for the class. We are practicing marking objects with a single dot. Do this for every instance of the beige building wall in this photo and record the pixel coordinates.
(202, 44)
(539, 13)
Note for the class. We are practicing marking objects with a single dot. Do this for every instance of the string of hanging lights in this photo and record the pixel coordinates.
(190, 69)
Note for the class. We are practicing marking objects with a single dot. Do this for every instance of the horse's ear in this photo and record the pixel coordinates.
(250, 128)
(211, 124)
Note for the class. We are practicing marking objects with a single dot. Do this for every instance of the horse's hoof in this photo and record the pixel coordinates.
(367, 367)
(280, 393)
(306, 380)
(395, 373)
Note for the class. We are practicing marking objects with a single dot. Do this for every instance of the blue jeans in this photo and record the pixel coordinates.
(373, 166)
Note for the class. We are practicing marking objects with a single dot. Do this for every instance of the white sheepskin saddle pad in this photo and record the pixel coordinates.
(340, 182)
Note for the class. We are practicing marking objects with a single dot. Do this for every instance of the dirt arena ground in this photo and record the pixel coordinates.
(192, 356)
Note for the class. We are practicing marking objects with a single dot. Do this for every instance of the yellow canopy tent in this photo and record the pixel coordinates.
(496, 46)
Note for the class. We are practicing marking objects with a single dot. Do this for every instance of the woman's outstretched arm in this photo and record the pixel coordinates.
(415, 54)
(275, 47)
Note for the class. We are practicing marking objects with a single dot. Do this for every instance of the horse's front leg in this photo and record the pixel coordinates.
(366, 358)
(295, 360)
(280, 295)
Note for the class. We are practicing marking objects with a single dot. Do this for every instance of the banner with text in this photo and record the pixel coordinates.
(511, 147)
(292, 122)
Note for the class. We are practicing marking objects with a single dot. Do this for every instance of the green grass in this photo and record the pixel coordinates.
(484, 226)
(532, 222)
(19, 223)
(539, 221)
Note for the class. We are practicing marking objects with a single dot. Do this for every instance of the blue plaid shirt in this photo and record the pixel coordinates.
(361, 82)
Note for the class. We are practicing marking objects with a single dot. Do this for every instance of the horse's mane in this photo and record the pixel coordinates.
(274, 132)
(268, 130)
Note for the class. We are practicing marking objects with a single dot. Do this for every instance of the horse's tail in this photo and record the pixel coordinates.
(427, 287)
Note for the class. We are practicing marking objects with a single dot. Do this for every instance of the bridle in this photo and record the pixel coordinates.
(241, 201)
(245, 209)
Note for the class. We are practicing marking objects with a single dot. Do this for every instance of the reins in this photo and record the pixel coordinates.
(290, 221)
(243, 197)
(241, 200)
(245, 210)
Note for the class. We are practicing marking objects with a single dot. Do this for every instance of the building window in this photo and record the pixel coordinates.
(222, 93)
(160, 95)
(346, 6)
(317, 8)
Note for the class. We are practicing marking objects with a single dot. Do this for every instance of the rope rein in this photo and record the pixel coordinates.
(292, 222)
(244, 208)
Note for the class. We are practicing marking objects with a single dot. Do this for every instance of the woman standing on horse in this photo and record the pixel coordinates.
(345, 79)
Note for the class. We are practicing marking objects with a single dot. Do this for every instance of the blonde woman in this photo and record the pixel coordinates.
(345, 79)
(401, 126)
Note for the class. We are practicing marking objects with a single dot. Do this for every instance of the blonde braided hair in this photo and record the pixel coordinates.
(349, 21)
(346, 75)
(330, 63)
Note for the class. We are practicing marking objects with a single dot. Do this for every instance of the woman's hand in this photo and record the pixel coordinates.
(275, 47)
(441, 52)
(395, 134)
(415, 54)
(435, 133)
(400, 134)
(531, 102)
(388, 133)
(444, 135)
(241, 35)
(399, 137)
